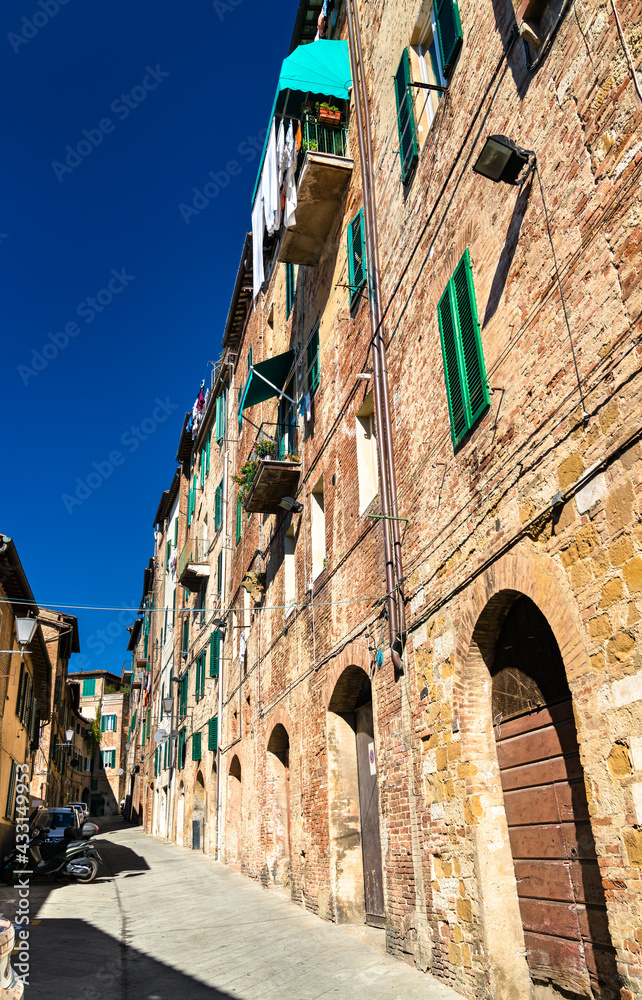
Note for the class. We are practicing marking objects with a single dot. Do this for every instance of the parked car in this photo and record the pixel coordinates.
(82, 806)
(63, 818)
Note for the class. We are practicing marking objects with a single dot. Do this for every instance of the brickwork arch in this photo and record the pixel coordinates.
(354, 655)
(279, 716)
(481, 613)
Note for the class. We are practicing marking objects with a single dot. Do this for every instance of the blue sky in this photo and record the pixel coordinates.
(113, 298)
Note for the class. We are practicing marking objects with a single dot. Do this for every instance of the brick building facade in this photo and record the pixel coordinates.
(426, 683)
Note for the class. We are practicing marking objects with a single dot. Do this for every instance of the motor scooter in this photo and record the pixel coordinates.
(66, 857)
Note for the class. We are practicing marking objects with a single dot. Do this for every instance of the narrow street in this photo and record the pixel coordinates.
(162, 922)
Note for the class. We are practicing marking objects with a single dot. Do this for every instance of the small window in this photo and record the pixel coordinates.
(290, 288)
(289, 576)
(89, 687)
(318, 529)
(108, 759)
(312, 360)
(464, 369)
(426, 68)
(366, 454)
(357, 268)
(108, 723)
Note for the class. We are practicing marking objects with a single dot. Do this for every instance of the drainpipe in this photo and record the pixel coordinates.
(221, 659)
(392, 553)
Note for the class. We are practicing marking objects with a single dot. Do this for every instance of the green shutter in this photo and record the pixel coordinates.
(313, 361)
(89, 687)
(215, 653)
(449, 32)
(218, 506)
(406, 125)
(202, 467)
(207, 453)
(103, 722)
(212, 733)
(148, 724)
(465, 373)
(357, 270)
(12, 787)
(176, 532)
(290, 288)
(220, 417)
(219, 574)
(185, 637)
(239, 520)
(196, 746)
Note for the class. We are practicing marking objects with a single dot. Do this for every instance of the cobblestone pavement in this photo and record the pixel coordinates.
(162, 922)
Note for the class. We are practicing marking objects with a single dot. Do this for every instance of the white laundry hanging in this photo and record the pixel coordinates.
(289, 217)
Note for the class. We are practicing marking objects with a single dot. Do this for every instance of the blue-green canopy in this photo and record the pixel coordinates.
(320, 68)
(266, 379)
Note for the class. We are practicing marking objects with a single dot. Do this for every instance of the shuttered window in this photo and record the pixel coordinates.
(148, 723)
(312, 356)
(357, 268)
(181, 749)
(196, 746)
(219, 574)
(8, 813)
(215, 654)
(200, 677)
(185, 637)
(290, 288)
(218, 507)
(239, 521)
(464, 369)
(212, 733)
(202, 467)
(406, 124)
(449, 32)
(220, 417)
(207, 453)
(108, 723)
(182, 694)
(89, 687)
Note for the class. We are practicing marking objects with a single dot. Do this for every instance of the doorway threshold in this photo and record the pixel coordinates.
(374, 937)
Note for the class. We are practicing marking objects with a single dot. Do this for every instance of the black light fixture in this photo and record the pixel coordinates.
(291, 505)
(501, 159)
(219, 622)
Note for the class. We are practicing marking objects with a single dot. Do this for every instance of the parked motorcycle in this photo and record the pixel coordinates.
(73, 858)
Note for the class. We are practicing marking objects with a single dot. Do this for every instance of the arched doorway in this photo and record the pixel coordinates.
(278, 819)
(354, 801)
(234, 813)
(85, 796)
(558, 884)
(180, 814)
(198, 814)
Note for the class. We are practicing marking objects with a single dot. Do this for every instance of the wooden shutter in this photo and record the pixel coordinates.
(289, 288)
(357, 271)
(212, 733)
(449, 32)
(196, 746)
(219, 574)
(218, 506)
(202, 467)
(465, 373)
(313, 360)
(176, 532)
(406, 125)
(12, 787)
(215, 653)
(103, 723)
(239, 521)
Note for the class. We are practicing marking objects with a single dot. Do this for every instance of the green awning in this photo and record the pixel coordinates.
(320, 69)
(274, 371)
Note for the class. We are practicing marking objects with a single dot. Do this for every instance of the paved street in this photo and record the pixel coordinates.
(165, 923)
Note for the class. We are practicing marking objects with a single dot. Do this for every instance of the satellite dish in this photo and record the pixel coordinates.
(160, 735)
(120, 771)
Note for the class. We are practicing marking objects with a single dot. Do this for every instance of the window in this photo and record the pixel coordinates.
(182, 694)
(287, 420)
(290, 288)
(8, 813)
(166, 753)
(366, 453)
(219, 432)
(148, 723)
(425, 67)
(181, 749)
(212, 733)
(289, 576)
(215, 653)
(449, 33)
(185, 637)
(200, 677)
(108, 723)
(465, 373)
(200, 604)
(191, 507)
(218, 507)
(202, 467)
(239, 520)
(219, 575)
(196, 746)
(318, 528)
(357, 268)
(89, 687)
(108, 759)
(312, 359)
(406, 125)
(207, 452)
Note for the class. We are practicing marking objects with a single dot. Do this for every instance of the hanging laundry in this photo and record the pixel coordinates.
(299, 137)
(289, 217)
(258, 217)
(270, 185)
(308, 410)
(242, 648)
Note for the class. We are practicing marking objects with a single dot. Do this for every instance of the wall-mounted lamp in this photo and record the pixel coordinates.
(503, 160)
(69, 735)
(25, 628)
(219, 622)
(168, 704)
(291, 505)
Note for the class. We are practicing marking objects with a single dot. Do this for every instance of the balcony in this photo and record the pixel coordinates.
(324, 172)
(193, 565)
(272, 470)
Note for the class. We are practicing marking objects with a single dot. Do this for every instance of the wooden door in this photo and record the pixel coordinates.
(558, 879)
(369, 812)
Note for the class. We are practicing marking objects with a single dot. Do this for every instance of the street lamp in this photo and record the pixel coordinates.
(25, 628)
(501, 159)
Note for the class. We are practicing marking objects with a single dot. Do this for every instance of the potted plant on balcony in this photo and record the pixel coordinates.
(261, 449)
(329, 114)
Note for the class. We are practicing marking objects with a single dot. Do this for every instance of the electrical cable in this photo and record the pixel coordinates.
(629, 57)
